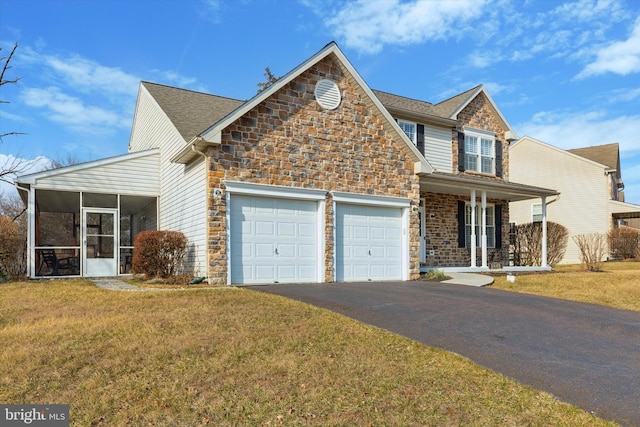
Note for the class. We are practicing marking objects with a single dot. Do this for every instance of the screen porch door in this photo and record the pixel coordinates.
(100, 232)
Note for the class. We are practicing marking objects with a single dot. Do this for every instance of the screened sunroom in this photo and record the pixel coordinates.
(83, 219)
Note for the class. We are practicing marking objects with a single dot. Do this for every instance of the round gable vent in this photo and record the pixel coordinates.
(327, 94)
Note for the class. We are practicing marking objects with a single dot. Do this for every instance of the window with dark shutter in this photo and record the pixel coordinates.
(461, 153)
(498, 219)
(498, 158)
(461, 224)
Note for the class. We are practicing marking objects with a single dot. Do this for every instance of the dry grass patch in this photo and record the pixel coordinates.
(618, 285)
(238, 357)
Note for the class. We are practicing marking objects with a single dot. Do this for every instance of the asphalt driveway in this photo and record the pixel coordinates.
(584, 354)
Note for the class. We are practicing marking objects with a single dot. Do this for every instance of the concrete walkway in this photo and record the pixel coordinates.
(468, 279)
(114, 284)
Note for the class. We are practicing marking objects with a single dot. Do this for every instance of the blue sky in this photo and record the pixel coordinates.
(566, 73)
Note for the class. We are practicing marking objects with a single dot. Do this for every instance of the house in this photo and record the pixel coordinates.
(589, 181)
(318, 178)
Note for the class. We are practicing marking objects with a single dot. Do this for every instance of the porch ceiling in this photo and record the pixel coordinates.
(439, 182)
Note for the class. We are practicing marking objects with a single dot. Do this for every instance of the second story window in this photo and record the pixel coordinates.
(479, 153)
(409, 128)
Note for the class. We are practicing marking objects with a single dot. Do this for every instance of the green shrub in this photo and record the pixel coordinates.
(158, 253)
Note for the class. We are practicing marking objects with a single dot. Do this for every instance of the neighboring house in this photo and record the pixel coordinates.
(315, 179)
(590, 183)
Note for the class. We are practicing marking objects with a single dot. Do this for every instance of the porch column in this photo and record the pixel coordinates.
(473, 228)
(544, 233)
(483, 231)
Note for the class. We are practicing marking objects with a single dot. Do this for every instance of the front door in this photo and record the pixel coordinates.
(100, 231)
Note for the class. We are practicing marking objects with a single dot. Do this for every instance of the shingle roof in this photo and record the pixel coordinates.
(608, 154)
(444, 109)
(191, 112)
(449, 106)
(390, 100)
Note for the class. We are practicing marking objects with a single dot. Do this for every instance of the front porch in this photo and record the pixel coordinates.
(465, 227)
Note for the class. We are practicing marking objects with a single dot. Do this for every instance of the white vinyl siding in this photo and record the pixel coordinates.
(437, 148)
(583, 205)
(183, 198)
(136, 174)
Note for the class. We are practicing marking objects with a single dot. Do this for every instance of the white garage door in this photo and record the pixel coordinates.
(273, 240)
(368, 243)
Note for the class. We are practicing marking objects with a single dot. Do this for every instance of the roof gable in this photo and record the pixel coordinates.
(608, 154)
(212, 135)
(190, 112)
(453, 106)
(570, 153)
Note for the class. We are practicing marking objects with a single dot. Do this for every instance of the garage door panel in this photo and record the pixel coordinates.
(286, 228)
(264, 250)
(273, 240)
(264, 273)
(368, 243)
(264, 228)
(307, 230)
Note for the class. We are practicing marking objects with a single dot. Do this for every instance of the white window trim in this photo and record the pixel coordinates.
(478, 154)
(415, 130)
(534, 214)
(478, 224)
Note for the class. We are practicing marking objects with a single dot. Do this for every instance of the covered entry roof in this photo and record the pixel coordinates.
(439, 182)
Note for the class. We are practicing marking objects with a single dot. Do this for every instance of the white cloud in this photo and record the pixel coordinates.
(368, 26)
(72, 112)
(620, 57)
(87, 75)
(576, 130)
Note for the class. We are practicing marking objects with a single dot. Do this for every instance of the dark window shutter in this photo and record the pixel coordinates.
(498, 158)
(498, 219)
(461, 151)
(461, 228)
(420, 138)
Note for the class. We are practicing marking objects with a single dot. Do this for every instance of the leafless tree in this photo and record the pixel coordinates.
(12, 166)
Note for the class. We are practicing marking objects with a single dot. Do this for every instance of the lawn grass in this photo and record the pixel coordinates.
(236, 357)
(618, 285)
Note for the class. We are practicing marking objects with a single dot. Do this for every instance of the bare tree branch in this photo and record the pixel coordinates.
(6, 66)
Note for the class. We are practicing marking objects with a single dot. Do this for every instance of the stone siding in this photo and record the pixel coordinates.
(441, 231)
(480, 114)
(289, 140)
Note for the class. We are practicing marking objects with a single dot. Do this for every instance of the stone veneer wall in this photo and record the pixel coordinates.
(480, 114)
(289, 140)
(441, 231)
